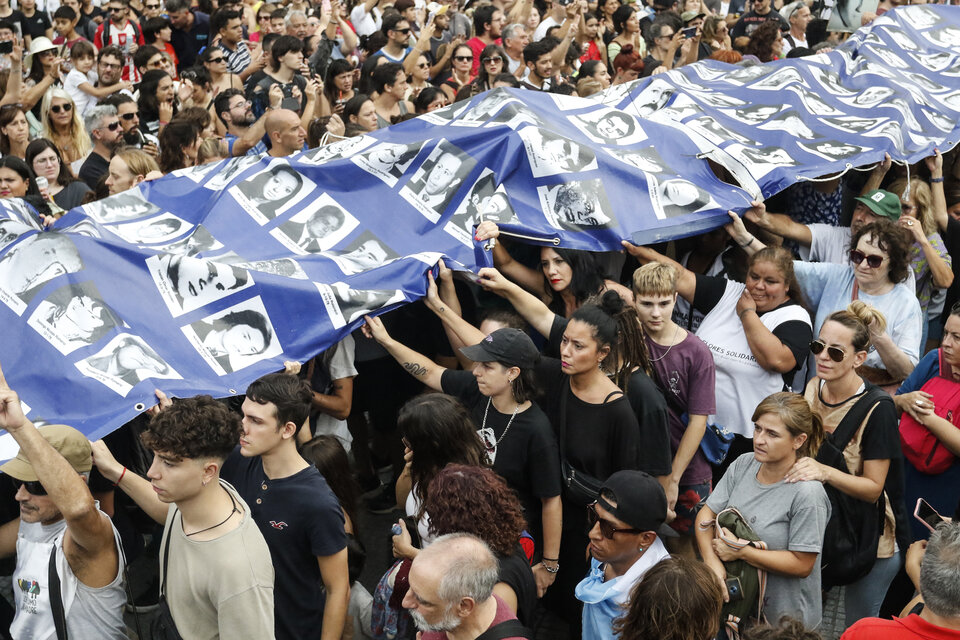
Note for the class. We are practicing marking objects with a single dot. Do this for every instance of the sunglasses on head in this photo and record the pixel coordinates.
(66, 108)
(836, 353)
(34, 488)
(131, 115)
(463, 58)
(857, 256)
(606, 527)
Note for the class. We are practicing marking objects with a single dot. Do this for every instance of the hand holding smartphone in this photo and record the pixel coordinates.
(927, 514)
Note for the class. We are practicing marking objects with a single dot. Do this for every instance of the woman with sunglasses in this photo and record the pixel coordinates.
(491, 65)
(461, 72)
(158, 101)
(879, 262)
(44, 73)
(758, 331)
(790, 517)
(497, 392)
(873, 454)
(214, 61)
(419, 79)
(14, 131)
(62, 124)
(45, 160)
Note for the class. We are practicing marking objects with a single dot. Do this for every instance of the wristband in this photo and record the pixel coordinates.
(550, 559)
(747, 244)
(120, 479)
(936, 180)
(549, 570)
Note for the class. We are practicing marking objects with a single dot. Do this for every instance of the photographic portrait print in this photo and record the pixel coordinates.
(232, 169)
(366, 252)
(550, 153)
(199, 242)
(387, 160)
(921, 18)
(152, 230)
(121, 207)
(186, 283)
(345, 305)
(832, 150)
(485, 201)
(319, 226)
(74, 316)
(779, 79)
(286, 267)
(339, 149)
(199, 173)
(484, 109)
(813, 103)
(124, 362)
(646, 159)
(235, 338)
(85, 227)
(854, 124)
(513, 115)
(10, 230)
(761, 160)
(869, 97)
(31, 263)
(18, 209)
(436, 182)
(576, 206)
(713, 131)
(829, 80)
(271, 192)
(655, 96)
(676, 197)
(715, 99)
(753, 114)
(790, 122)
(446, 114)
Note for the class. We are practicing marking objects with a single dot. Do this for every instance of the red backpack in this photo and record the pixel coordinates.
(920, 447)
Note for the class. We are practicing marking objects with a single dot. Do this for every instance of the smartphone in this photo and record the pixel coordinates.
(689, 32)
(734, 590)
(6, 46)
(927, 514)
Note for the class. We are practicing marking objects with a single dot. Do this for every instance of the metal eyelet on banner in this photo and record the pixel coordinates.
(233, 392)
(140, 406)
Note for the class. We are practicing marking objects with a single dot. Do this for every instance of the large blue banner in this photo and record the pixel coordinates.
(210, 277)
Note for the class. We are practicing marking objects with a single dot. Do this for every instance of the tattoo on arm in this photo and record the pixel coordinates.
(415, 369)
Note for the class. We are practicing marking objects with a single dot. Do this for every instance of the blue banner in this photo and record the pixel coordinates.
(206, 279)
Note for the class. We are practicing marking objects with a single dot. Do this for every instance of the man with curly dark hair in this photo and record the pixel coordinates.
(216, 574)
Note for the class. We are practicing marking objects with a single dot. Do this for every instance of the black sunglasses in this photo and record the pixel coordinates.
(403, 31)
(836, 353)
(113, 126)
(131, 115)
(857, 256)
(34, 488)
(215, 60)
(117, 9)
(66, 108)
(151, 6)
(463, 58)
(606, 527)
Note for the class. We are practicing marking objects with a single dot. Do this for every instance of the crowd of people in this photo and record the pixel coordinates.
(673, 441)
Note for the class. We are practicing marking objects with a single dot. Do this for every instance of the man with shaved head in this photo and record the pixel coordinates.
(285, 131)
(451, 592)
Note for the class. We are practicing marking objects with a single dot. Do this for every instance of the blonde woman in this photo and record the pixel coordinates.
(716, 34)
(61, 124)
(128, 168)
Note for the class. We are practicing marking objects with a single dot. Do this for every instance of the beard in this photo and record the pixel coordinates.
(447, 622)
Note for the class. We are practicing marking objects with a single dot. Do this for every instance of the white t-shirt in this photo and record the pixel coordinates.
(82, 100)
(832, 244)
(541, 31)
(340, 365)
(365, 23)
(797, 42)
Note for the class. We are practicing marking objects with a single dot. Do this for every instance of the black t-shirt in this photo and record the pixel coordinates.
(515, 572)
(93, 168)
(188, 44)
(528, 458)
(36, 25)
(951, 238)
(15, 18)
(300, 518)
(794, 334)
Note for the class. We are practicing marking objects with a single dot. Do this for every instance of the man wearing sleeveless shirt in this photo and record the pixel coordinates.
(58, 515)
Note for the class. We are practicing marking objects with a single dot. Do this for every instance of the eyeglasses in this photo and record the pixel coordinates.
(117, 9)
(109, 65)
(606, 527)
(874, 261)
(244, 104)
(836, 353)
(403, 31)
(34, 488)
(490, 59)
(151, 6)
(423, 65)
(113, 126)
(131, 115)
(216, 60)
(66, 108)
(463, 58)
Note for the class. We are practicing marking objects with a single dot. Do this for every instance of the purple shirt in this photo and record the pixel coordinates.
(685, 373)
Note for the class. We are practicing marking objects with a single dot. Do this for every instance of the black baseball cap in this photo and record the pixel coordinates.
(511, 347)
(641, 501)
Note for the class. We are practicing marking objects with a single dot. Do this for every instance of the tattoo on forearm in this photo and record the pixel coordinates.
(415, 369)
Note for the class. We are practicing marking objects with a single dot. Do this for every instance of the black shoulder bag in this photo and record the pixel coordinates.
(578, 487)
(506, 629)
(854, 530)
(163, 627)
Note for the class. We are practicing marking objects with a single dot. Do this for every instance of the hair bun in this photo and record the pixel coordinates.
(611, 303)
(867, 313)
(627, 49)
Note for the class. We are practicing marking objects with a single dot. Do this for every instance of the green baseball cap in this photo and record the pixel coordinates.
(882, 203)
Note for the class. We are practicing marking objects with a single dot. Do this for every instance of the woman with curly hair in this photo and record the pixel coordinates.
(678, 599)
(62, 125)
(179, 142)
(158, 101)
(476, 500)
(766, 43)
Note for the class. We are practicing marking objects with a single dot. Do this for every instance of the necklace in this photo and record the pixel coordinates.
(672, 342)
(232, 511)
(509, 422)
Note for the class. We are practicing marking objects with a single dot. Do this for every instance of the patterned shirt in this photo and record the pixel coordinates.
(921, 268)
(238, 59)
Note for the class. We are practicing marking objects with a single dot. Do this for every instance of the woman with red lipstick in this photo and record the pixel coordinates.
(759, 334)
(919, 400)
(566, 279)
(872, 456)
